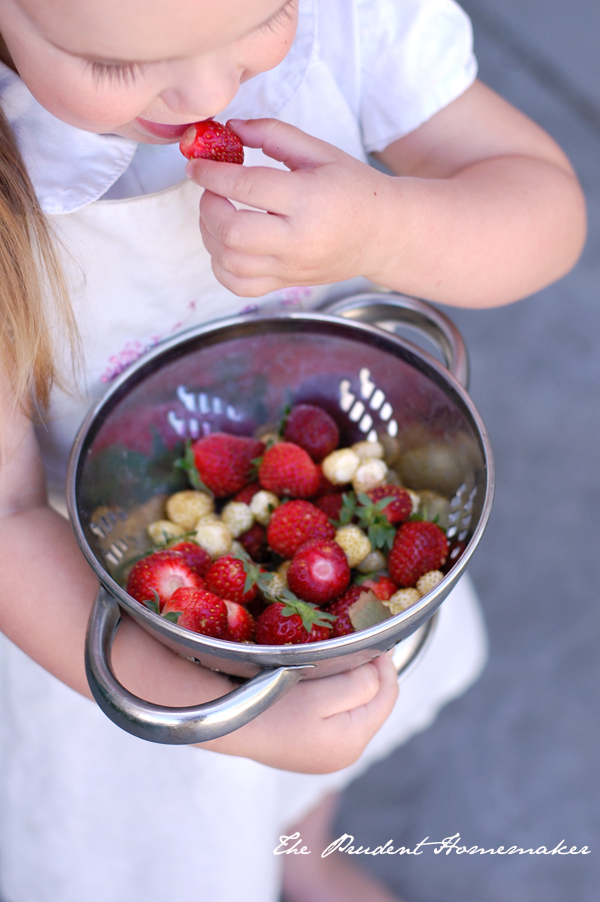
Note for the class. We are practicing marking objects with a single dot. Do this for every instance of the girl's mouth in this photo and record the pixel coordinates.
(158, 130)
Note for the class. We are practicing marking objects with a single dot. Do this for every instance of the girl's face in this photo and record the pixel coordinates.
(144, 69)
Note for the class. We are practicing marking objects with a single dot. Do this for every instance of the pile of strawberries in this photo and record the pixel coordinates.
(288, 539)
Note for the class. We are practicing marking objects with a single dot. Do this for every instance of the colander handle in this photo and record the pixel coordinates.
(187, 726)
(392, 309)
(172, 726)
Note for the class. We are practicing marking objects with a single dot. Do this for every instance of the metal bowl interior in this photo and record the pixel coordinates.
(236, 376)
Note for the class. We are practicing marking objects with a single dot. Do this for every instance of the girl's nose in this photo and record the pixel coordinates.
(200, 90)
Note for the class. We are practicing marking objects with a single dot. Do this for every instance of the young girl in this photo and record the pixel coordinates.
(100, 252)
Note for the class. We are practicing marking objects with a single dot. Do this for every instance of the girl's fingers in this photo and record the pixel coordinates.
(321, 725)
(366, 719)
(284, 142)
(242, 266)
(335, 694)
(243, 230)
(245, 287)
(257, 186)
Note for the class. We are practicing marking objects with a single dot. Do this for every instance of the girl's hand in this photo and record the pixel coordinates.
(325, 214)
(321, 725)
(483, 208)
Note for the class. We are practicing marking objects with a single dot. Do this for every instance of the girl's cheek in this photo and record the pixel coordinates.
(87, 107)
(266, 52)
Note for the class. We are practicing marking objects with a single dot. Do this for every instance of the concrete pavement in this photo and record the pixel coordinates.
(515, 761)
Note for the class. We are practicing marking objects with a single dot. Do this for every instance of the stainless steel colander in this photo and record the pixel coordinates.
(233, 375)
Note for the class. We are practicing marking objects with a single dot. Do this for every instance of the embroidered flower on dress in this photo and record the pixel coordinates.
(293, 297)
(284, 297)
(132, 351)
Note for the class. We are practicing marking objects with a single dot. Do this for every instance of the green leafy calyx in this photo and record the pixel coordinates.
(187, 463)
(309, 613)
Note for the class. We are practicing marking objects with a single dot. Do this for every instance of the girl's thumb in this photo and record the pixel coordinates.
(283, 142)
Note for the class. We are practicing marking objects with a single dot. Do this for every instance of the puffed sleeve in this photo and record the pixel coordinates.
(415, 57)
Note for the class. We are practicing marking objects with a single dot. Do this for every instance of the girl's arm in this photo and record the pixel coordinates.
(46, 593)
(483, 209)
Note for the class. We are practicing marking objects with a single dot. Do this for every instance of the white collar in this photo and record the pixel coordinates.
(71, 168)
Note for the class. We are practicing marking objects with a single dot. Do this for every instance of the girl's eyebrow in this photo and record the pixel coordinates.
(116, 61)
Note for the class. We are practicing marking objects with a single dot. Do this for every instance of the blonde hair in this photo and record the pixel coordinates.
(34, 299)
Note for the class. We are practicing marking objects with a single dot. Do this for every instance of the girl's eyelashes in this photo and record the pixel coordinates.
(114, 73)
(284, 13)
(125, 74)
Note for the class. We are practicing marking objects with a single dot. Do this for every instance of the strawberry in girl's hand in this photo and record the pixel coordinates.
(287, 469)
(240, 623)
(211, 141)
(198, 610)
(229, 578)
(419, 546)
(292, 623)
(319, 571)
(198, 559)
(161, 574)
(225, 462)
(313, 429)
(294, 523)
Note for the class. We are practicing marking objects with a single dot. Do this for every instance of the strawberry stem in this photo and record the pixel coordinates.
(373, 519)
(153, 604)
(187, 463)
(309, 613)
(348, 510)
(284, 418)
(253, 571)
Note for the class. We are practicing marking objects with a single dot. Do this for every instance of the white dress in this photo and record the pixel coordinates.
(88, 813)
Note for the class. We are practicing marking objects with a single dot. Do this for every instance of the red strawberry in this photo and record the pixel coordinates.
(382, 587)
(400, 506)
(325, 487)
(312, 429)
(294, 523)
(198, 559)
(254, 542)
(224, 461)
(419, 546)
(162, 573)
(319, 571)
(247, 493)
(287, 469)
(212, 141)
(227, 579)
(256, 607)
(340, 608)
(331, 505)
(319, 633)
(274, 627)
(240, 623)
(201, 611)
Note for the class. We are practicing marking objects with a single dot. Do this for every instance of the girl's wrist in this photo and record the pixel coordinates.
(394, 233)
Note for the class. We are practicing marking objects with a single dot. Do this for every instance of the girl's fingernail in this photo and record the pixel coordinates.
(189, 169)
